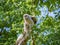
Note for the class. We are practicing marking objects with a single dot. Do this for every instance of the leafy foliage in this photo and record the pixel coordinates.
(46, 32)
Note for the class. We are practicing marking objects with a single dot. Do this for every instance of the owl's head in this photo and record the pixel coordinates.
(27, 17)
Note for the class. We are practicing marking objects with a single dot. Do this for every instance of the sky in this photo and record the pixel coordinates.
(44, 11)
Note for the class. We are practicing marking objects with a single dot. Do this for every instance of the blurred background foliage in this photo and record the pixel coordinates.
(47, 29)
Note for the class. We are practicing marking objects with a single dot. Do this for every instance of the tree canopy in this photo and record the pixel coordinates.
(45, 32)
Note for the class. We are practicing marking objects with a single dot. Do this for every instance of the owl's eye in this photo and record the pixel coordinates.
(25, 15)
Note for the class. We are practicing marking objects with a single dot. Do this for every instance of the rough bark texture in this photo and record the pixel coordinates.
(22, 40)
